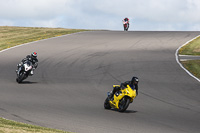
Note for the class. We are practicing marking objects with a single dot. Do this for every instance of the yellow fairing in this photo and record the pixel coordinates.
(128, 92)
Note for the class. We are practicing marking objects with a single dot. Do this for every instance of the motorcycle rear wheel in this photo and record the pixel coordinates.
(123, 104)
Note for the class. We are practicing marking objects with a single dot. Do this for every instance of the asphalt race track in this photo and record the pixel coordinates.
(76, 71)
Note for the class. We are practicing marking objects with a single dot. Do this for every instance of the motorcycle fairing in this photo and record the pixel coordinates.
(129, 92)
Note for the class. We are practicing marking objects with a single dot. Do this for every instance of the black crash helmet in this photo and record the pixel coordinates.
(135, 80)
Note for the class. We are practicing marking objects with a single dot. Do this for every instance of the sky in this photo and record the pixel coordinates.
(144, 15)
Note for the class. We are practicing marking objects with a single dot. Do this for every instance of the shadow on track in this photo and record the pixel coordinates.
(28, 82)
(127, 111)
(130, 111)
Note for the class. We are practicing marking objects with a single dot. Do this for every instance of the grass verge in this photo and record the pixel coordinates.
(193, 66)
(192, 48)
(8, 126)
(12, 36)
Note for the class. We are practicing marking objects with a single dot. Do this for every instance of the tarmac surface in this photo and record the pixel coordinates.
(188, 57)
(76, 71)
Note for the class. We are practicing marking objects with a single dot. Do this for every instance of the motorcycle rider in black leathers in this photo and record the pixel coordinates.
(133, 84)
(33, 59)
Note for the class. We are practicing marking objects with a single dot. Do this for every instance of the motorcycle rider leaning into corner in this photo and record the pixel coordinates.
(33, 59)
(133, 84)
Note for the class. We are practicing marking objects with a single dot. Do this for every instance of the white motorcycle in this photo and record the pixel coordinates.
(24, 71)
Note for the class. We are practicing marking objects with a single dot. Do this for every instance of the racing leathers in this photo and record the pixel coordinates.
(34, 62)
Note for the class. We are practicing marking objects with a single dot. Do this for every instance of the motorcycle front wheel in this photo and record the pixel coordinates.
(20, 78)
(123, 104)
(107, 104)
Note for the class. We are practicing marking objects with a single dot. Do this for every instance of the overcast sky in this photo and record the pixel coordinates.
(154, 15)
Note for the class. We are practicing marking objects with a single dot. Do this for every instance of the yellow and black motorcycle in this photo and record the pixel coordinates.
(121, 99)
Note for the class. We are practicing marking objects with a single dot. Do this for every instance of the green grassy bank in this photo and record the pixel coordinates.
(12, 36)
(192, 48)
(8, 126)
(193, 66)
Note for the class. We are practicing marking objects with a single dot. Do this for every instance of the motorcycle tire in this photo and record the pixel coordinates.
(20, 78)
(107, 104)
(123, 104)
(17, 80)
(124, 28)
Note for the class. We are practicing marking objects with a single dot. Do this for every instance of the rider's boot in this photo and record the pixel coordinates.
(31, 73)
